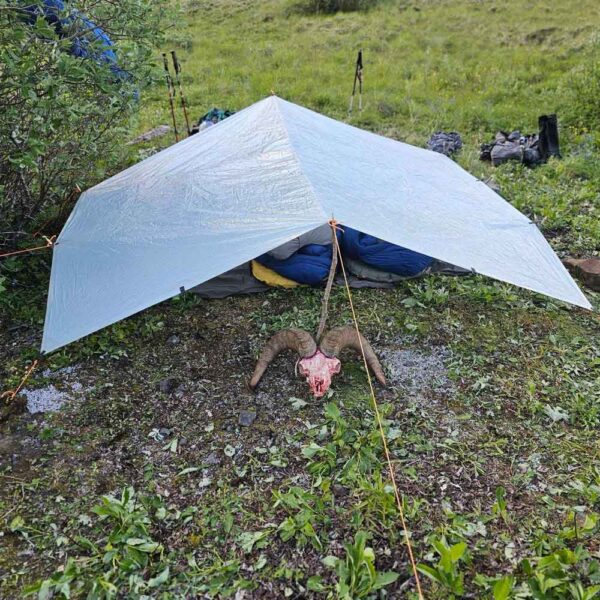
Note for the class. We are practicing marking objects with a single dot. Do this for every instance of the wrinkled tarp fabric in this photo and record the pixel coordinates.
(383, 255)
(257, 180)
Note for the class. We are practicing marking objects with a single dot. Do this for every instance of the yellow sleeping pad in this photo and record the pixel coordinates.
(270, 277)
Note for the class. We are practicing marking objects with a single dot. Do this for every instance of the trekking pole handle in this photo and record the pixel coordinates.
(175, 62)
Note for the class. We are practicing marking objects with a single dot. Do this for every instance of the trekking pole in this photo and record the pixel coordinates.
(171, 89)
(177, 68)
(358, 77)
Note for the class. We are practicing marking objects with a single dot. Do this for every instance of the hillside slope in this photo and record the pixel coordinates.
(163, 476)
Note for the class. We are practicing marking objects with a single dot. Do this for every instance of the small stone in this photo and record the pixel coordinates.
(167, 385)
(339, 490)
(212, 459)
(173, 340)
(586, 268)
(246, 418)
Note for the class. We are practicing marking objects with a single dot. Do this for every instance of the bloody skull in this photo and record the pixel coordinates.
(318, 370)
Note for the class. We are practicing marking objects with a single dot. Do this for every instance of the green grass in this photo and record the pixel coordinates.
(473, 67)
(498, 469)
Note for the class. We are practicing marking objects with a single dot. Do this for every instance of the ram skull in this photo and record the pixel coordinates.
(317, 363)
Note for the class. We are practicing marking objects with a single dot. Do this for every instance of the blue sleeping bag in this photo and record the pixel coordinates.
(309, 265)
(382, 255)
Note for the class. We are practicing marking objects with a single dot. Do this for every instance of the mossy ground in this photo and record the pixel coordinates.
(504, 458)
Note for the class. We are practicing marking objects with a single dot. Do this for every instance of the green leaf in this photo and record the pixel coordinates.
(248, 539)
(310, 450)
(260, 563)
(314, 584)
(44, 592)
(330, 561)
(188, 470)
(503, 587)
(384, 579)
(17, 524)
(430, 572)
(332, 411)
(161, 578)
(172, 446)
(142, 545)
(297, 403)
(457, 551)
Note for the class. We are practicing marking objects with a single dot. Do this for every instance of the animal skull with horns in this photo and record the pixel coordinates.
(317, 364)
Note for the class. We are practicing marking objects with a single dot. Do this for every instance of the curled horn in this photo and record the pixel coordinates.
(294, 339)
(335, 340)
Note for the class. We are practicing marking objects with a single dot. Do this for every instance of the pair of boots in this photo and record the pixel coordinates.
(548, 136)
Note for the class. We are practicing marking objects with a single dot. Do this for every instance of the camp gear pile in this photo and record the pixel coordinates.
(531, 150)
(213, 116)
(444, 142)
(306, 260)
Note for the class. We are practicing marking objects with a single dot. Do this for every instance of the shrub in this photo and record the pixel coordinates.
(60, 113)
(333, 6)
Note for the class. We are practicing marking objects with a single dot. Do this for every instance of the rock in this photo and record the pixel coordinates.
(167, 385)
(212, 459)
(150, 135)
(246, 418)
(588, 269)
(339, 490)
(173, 340)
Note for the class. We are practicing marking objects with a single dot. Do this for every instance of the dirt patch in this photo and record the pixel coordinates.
(51, 398)
(416, 370)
